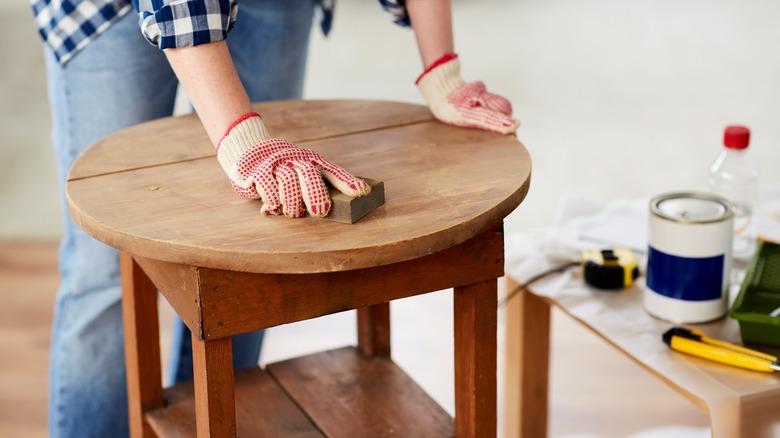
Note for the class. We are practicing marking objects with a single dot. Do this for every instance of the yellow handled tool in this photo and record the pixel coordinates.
(695, 343)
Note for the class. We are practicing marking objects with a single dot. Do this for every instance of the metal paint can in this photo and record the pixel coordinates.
(689, 257)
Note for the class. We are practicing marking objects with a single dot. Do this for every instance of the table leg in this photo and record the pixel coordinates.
(475, 359)
(759, 416)
(754, 416)
(374, 330)
(527, 364)
(142, 345)
(215, 401)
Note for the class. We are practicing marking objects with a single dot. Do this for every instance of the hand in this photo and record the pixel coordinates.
(458, 103)
(283, 175)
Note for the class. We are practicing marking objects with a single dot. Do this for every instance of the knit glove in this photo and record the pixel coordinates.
(469, 105)
(281, 174)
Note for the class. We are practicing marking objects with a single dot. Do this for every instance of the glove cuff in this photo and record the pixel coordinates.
(447, 57)
(246, 132)
(441, 79)
(437, 83)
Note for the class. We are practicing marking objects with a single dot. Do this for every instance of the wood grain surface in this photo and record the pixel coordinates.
(347, 394)
(156, 190)
(256, 393)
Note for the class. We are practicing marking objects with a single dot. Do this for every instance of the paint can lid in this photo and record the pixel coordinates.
(692, 207)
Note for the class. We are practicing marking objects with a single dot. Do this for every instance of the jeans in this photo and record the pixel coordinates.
(119, 80)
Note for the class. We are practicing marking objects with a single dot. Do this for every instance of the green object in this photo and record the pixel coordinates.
(757, 307)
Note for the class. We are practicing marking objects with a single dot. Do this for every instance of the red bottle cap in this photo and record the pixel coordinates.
(736, 137)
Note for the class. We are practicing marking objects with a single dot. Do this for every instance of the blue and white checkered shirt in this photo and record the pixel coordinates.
(67, 26)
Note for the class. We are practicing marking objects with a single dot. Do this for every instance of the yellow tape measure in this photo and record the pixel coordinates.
(614, 268)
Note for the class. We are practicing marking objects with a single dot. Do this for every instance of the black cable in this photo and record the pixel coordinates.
(534, 279)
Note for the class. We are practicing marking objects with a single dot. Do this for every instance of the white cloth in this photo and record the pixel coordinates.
(619, 316)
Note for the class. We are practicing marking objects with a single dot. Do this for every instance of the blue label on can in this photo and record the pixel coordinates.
(685, 278)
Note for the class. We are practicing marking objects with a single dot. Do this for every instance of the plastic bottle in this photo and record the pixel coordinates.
(734, 176)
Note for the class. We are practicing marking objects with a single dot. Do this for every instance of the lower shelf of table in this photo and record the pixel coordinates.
(337, 393)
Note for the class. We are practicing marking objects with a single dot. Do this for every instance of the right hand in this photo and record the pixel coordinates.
(468, 105)
(284, 176)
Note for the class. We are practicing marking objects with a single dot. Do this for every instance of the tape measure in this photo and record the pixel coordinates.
(614, 268)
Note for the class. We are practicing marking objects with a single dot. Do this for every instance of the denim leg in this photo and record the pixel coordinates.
(269, 46)
(117, 81)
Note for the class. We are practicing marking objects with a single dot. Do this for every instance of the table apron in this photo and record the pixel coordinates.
(217, 303)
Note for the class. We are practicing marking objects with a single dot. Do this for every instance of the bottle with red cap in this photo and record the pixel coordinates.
(734, 176)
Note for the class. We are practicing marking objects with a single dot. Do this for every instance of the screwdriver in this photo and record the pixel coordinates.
(695, 343)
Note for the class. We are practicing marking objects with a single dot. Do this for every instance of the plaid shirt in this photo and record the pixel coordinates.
(67, 26)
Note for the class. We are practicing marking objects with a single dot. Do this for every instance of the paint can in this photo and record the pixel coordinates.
(689, 257)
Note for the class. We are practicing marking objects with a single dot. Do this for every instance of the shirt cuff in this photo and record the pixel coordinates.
(182, 23)
(398, 9)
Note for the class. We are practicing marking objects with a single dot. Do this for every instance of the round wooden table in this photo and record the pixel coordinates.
(156, 192)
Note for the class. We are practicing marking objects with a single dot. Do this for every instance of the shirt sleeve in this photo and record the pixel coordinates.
(181, 23)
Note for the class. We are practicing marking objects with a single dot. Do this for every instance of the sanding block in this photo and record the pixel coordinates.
(348, 210)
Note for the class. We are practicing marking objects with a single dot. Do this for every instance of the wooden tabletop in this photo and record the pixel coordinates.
(156, 190)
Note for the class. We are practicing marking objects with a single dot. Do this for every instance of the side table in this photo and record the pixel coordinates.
(156, 192)
(741, 403)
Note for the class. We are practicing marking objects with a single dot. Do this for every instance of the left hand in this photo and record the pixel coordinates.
(458, 103)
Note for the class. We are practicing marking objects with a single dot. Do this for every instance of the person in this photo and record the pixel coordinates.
(104, 75)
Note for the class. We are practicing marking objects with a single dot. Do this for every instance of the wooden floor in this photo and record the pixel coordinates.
(585, 402)
(28, 283)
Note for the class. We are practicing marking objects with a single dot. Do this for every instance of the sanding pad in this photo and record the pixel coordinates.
(349, 210)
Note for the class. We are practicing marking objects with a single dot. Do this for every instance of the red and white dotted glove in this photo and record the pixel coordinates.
(281, 174)
(469, 105)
